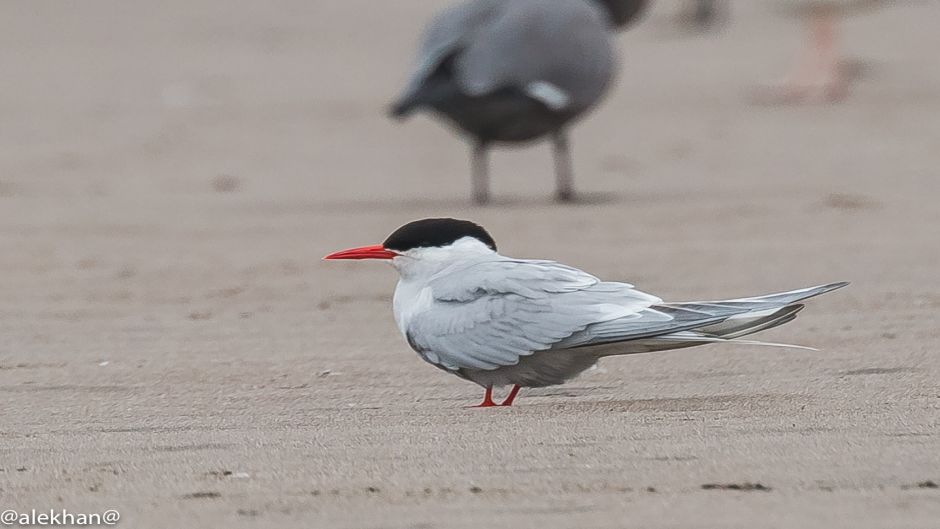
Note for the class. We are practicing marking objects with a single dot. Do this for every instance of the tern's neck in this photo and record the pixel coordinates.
(421, 264)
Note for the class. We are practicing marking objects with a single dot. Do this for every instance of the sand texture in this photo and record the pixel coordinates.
(172, 346)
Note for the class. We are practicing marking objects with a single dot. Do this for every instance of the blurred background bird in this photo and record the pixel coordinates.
(514, 71)
(701, 15)
(819, 71)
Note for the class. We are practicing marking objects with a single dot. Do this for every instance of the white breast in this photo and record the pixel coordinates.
(411, 298)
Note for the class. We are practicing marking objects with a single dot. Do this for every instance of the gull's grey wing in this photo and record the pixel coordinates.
(450, 30)
(490, 314)
(557, 50)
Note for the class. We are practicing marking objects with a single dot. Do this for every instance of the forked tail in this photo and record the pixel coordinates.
(750, 315)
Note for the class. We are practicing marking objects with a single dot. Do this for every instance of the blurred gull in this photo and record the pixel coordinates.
(511, 71)
(701, 15)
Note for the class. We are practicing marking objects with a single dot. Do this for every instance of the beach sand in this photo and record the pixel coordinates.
(172, 346)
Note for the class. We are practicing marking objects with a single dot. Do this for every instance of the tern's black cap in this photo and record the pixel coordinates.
(429, 233)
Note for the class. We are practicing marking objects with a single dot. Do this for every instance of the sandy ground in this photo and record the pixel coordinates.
(172, 346)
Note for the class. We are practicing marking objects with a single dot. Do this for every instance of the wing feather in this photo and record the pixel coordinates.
(562, 44)
(449, 31)
(491, 313)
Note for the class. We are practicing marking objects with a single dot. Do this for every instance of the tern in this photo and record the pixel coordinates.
(514, 71)
(500, 321)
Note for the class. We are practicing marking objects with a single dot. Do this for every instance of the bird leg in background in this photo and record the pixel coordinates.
(487, 399)
(817, 71)
(480, 170)
(824, 41)
(704, 14)
(564, 189)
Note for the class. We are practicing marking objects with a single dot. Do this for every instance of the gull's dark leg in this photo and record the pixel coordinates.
(704, 13)
(564, 188)
(480, 173)
(512, 395)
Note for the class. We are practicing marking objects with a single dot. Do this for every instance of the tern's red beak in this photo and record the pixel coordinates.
(365, 252)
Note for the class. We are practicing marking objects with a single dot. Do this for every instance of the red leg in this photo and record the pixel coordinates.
(817, 72)
(487, 399)
(831, 76)
(512, 395)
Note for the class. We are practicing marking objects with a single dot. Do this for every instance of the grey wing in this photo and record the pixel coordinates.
(491, 314)
(449, 31)
(757, 313)
(697, 322)
(558, 51)
(655, 321)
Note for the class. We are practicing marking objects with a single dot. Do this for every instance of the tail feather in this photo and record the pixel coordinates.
(758, 313)
(433, 86)
(792, 296)
(742, 317)
(688, 339)
(750, 323)
(404, 106)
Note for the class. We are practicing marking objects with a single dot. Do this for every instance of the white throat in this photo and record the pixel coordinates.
(416, 267)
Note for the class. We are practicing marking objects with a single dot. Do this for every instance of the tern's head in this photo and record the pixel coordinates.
(426, 246)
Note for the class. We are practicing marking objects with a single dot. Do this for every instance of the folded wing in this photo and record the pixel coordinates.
(490, 314)
(557, 51)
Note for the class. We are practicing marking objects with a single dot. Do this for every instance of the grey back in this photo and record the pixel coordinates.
(514, 43)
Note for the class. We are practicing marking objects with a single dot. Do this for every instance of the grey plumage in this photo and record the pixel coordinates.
(495, 320)
(500, 321)
(516, 70)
